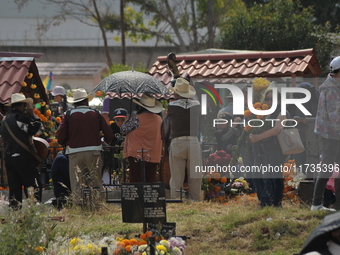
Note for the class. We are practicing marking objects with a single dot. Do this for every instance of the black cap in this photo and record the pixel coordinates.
(120, 113)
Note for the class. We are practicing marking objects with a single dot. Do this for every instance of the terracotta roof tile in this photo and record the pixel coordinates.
(13, 70)
(230, 67)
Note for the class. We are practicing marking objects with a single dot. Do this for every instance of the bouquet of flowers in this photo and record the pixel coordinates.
(239, 186)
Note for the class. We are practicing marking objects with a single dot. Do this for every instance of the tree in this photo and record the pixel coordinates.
(277, 25)
(86, 12)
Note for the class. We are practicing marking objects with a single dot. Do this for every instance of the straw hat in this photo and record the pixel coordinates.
(20, 98)
(149, 103)
(79, 95)
(183, 88)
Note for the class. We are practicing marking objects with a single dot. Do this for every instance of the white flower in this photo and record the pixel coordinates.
(176, 251)
(165, 243)
(142, 247)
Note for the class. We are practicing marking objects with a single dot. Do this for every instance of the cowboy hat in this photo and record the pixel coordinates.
(149, 103)
(79, 95)
(183, 88)
(20, 98)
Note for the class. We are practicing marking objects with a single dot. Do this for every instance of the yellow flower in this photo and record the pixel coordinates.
(165, 243)
(260, 84)
(36, 95)
(42, 104)
(33, 86)
(161, 248)
(39, 249)
(119, 239)
(75, 241)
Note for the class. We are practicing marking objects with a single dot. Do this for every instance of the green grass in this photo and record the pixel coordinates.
(240, 227)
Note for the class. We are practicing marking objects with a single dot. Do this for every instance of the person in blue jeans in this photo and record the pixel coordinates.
(273, 184)
(61, 176)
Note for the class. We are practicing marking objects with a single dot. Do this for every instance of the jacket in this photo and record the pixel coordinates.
(327, 122)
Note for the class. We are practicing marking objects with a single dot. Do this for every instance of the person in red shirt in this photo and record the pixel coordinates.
(80, 132)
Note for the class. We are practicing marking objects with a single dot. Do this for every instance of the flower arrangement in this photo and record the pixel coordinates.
(239, 186)
(292, 178)
(49, 125)
(86, 246)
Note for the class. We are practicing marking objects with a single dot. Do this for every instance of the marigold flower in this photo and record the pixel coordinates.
(133, 242)
(58, 119)
(247, 113)
(42, 104)
(33, 86)
(29, 75)
(126, 241)
(257, 105)
(48, 113)
(148, 233)
(265, 107)
(161, 248)
(99, 93)
(36, 111)
(75, 241)
(128, 248)
(142, 242)
(121, 244)
(247, 128)
(223, 180)
(36, 95)
(116, 251)
(142, 236)
(24, 84)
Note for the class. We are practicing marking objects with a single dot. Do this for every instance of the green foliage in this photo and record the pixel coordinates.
(115, 68)
(278, 25)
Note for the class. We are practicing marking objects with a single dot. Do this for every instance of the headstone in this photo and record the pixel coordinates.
(167, 229)
(143, 203)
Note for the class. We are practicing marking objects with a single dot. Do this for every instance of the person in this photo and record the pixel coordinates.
(79, 132)
(185, 150)
(327, 126)
(61, 176)
(226, 135)
(106, 109)
(143, 132)
(228, 108)
(59, 97)
(273, 185)
(119, 116)
(300, 118)
(20, 163)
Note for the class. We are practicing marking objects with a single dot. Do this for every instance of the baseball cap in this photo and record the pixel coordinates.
(335, 64)
(120, 113)
(58, 90)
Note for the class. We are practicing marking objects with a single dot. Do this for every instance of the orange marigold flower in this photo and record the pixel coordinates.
(121, 244)
(265, 107)
(36, 111)
(257, 105)
(24, 84)
(33, 86)
(99, 93)
(148, 233)
(44, 119)
(142, 242)
(133, 242)
(247, 113)
(126, 241)
(247, 128)
(58, 119)
(223, 180)
(36, 95)
(29, 75)
(142, 236)
(42, 104)
(128, 248)
(116, 251)
(48, 113)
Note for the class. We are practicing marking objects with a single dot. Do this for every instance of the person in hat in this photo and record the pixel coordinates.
(19, 162)
(59, 96)
(119, 115)
(143, 131)
(228, 108)
(79, 132)
(327, 126)
(185, 151)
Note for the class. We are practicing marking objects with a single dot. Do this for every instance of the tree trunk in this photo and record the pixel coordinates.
(211, 24)
(174, 26)
(193, 27)
(107, 53)
(122, 25)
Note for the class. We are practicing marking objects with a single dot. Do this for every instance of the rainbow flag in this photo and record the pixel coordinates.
(48, 81)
